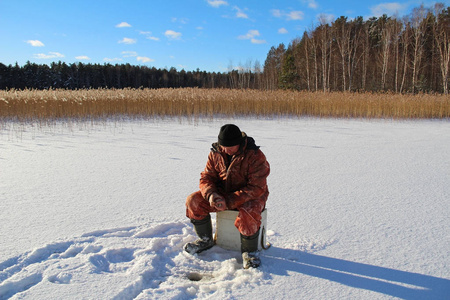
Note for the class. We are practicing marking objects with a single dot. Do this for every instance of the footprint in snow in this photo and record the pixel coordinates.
(143, 262)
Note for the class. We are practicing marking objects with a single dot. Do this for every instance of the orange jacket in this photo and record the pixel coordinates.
(240, 178)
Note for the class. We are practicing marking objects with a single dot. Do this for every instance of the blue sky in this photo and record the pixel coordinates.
(212, 35)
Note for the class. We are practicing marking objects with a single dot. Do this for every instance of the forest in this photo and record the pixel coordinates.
(408, 54)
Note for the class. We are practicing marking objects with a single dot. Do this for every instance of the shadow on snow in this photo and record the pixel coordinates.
(396, 283)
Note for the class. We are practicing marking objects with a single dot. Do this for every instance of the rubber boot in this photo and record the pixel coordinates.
(249, 250)
(203, 228)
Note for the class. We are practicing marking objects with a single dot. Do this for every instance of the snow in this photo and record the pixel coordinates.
(359, 209)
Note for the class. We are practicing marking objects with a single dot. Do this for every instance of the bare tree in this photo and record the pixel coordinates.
(396, 30)
(325, 47)
(232, 76)
(314, 47)
(442, 40)
(307, 50)
(354, 48)
(405, 41)
(365, 55)
(342, 38)
(257, 70)
(418, 41)
(384, 54)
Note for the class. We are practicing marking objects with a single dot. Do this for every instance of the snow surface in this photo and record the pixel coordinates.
(359, 209)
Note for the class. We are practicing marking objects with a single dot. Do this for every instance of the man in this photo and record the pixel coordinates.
(235, 178)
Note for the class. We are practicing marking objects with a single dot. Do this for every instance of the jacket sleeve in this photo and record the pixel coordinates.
(209, 177)
(256, 187)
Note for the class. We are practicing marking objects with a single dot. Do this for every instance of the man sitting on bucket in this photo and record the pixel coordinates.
(235, 178)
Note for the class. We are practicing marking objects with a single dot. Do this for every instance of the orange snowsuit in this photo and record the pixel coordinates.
(241, 179)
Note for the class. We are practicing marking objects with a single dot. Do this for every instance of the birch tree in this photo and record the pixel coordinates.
(442, 40)
(418, 41)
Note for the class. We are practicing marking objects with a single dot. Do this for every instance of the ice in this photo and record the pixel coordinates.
(358, 209)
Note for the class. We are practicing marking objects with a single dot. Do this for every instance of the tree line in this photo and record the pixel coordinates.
(81, 76)
(404, 55)
(409, 54)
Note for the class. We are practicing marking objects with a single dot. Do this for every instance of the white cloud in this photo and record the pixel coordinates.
(129, 54)
(293, 15)
(112, 59)
(312, 4)
(128, 41)
(256, 41)
(389, 9)
(173, 35)
(82, 57)
(35, 43)
(180, 20)
(144, 59)
(251, 34)
(276, 13)
(217, 3)
(240, 13)
(148, 35)
(48, 56)
(282, 31)
(123, 24)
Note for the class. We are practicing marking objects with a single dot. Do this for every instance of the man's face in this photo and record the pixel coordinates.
(230, 150)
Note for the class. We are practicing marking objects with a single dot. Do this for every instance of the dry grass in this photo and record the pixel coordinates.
(51, 105)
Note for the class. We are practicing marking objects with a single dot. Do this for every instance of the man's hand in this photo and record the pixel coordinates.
(217, 201)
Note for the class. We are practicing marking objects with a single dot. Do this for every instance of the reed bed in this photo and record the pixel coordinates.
(102, 104)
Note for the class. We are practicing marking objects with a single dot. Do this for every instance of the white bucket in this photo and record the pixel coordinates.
(227, 235)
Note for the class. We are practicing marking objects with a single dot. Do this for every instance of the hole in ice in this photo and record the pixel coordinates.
(194, 276)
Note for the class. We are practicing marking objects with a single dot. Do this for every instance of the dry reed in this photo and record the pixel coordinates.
(50, 105)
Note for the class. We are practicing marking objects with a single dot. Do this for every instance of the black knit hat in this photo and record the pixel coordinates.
(230, 135)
